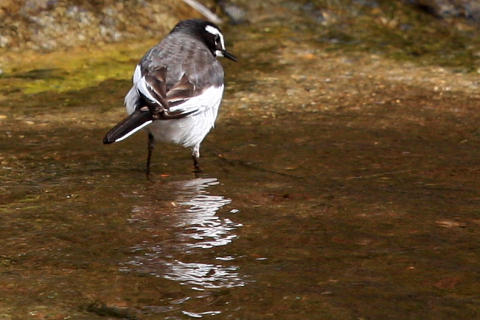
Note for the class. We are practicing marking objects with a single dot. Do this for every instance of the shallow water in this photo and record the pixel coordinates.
(349, 191)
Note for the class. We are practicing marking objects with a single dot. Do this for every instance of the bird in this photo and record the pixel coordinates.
(177, 89)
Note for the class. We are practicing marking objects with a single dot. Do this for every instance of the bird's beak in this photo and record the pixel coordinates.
(228, 55)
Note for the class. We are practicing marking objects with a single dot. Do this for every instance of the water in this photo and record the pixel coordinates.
(194, 226)
(337, 185)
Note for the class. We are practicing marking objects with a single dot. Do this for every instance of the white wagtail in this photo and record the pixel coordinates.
(177, 89)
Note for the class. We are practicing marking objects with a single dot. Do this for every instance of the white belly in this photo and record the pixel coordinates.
(188, 132)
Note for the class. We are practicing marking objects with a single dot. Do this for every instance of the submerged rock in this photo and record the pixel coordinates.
(468, 9)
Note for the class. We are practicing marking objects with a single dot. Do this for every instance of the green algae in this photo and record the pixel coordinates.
(65, 71)
(392, 29)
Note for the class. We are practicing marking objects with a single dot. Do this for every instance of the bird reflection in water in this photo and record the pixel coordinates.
(195, 227)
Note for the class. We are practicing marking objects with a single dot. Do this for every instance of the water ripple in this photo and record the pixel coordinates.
(195, 227)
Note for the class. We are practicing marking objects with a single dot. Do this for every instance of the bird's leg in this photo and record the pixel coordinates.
(195, 155)
(196, 165)
(151, 144)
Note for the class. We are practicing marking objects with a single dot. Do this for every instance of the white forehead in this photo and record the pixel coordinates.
(215, 31)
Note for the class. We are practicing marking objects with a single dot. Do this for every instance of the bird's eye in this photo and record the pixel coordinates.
(217, 39)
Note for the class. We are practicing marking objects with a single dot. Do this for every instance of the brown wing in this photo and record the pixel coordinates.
(181, 91)
(159, 100)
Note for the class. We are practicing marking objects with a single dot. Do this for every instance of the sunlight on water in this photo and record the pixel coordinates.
(197, 214)
(200, 315)
(202, 275)
(196, 230)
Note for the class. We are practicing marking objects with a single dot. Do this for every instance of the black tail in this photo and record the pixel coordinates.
(128, 126)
